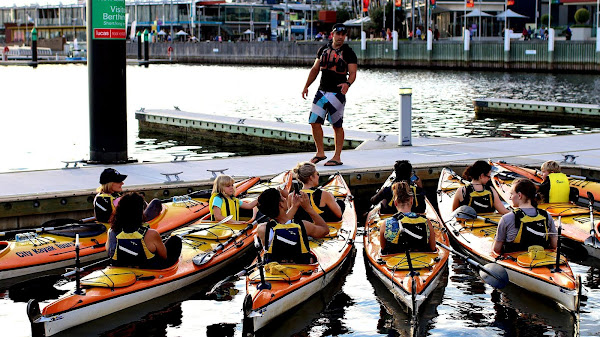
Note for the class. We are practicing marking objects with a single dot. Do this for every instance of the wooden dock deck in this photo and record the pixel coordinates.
(36, 192)
(570, 113)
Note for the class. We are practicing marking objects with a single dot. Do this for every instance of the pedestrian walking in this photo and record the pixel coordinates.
(337, 63)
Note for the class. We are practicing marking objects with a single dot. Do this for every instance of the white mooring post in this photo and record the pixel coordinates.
(404, 117)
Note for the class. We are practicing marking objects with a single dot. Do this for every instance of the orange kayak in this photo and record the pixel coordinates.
(45, 249)
(575, 220)
(207, 247)
(584, 186)
(291, 284)
(476, 237)
(393, 270)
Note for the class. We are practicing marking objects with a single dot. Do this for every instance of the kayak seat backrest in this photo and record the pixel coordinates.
(525, 260)
(84, 230)
(4, 247)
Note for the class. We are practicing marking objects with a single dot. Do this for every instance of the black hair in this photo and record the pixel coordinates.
(129, 214)
(268, 202)
(477, 169)
(403, 169)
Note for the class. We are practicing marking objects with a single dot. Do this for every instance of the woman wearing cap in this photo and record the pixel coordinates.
(109, 192)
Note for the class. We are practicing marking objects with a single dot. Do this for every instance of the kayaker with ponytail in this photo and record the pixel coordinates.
(323, 202)
(526, 225)
(131, 243)
(405, 230)
(109, 192)
(284, 240)
(478, 193)
(555, 187)
(404, 172)
(223, 201)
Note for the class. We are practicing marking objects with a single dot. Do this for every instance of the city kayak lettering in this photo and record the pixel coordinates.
(44, 250)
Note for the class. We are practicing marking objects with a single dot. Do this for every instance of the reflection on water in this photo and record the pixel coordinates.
(54, 126)
(355, 304)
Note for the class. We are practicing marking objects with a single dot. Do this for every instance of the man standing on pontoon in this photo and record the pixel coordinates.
(337, 63)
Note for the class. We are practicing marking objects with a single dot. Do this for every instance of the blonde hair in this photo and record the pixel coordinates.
(105, 188)
(551, 166)
(402, 192)
(304, 170)
(221, 182)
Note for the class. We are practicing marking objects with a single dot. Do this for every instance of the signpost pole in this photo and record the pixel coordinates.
(106, 33)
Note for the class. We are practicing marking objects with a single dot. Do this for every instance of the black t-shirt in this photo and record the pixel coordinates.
(334, 66)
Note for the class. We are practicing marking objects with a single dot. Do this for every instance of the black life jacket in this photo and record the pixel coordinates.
(287, 243)
(131, 250)
(532, 231)
(481, 201)
(414, 236)
(418, 205)
(104, 206)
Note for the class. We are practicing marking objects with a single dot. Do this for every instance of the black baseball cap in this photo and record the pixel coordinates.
(110, 175)
(339, 27)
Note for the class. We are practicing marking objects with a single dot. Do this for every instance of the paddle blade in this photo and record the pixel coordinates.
(592, 242)
(494, 275)
(201, 259)
(465, 213)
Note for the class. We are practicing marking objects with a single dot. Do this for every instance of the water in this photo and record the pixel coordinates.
(355, 304)
(45, 110)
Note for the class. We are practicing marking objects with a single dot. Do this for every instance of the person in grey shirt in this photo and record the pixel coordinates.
(526, 225)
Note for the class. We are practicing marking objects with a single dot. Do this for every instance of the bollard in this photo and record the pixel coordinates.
(429, 40)
(5, 53)
(394, 40)
(34, 56)
(139, 41)
(405, 117)
(363, 40)
(146, 46)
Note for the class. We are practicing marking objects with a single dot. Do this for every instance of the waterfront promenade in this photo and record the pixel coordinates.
(485, 54)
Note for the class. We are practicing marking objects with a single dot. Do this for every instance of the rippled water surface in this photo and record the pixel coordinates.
(45, 110)
(355, 304)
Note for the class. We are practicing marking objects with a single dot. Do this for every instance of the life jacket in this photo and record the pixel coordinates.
(333, 60)
(315, 194)
(414, 234)
(532, 230)
(418, 205)
(559, 187)
(232, 206)
(131, 249)
(287, 243)
(481, 201)
(104, 206)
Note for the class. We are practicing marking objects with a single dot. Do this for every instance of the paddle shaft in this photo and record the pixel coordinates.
(557, 268)
(486, 220)
(471, 261)
(72, 272)
(591, 206)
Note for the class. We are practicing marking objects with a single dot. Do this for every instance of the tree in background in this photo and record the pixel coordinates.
(376, 15)
(342, 14)
(582, 16)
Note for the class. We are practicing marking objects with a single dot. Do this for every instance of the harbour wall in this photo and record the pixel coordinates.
(568, 56)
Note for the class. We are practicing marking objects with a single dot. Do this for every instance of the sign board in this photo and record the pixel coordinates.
(108, 19)
(530, 52)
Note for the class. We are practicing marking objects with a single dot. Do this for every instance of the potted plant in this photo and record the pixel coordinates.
(581, 31)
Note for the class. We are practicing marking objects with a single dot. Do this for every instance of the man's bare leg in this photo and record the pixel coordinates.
(317, 132)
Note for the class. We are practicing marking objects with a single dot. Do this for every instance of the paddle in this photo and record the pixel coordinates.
(46, 226)
(469, 213)
(591, 240)
(225, 219)
(492, 273)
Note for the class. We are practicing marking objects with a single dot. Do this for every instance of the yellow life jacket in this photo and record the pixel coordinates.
(287, 243)
(481, 201)
(104, 206)
(532, 230)
(414, 235)
(559, 187)
(232, 206)
(314, 205)
(131, 248)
